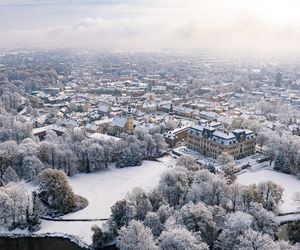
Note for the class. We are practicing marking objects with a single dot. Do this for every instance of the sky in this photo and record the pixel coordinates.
(241, 26)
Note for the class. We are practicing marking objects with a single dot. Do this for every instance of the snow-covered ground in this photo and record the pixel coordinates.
(102, 189)
(290, 184)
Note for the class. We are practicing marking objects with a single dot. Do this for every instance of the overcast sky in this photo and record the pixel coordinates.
(248, 26)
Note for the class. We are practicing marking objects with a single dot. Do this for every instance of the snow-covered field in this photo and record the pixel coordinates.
(103, 189)
(290, 184)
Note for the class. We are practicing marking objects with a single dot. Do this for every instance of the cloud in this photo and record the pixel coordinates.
(191, 26)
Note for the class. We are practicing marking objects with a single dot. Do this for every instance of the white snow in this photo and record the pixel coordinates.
(288, 218)
(102, 189)
(290, 184)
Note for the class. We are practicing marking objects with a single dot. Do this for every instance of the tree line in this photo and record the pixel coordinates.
(75, 153)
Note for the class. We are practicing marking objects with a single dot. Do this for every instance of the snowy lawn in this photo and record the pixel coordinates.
(290, 184)
(102, 189)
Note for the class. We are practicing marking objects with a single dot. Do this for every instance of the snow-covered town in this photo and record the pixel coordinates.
(87, 166)
(149, 125)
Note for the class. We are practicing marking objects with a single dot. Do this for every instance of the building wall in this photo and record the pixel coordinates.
(178, 136)
(212, 149)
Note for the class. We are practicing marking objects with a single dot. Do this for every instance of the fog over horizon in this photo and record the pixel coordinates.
(239, 26)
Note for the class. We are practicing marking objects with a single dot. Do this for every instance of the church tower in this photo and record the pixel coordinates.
(171, 112)
(129, 121)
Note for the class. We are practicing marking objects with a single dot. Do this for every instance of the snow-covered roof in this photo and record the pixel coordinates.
(104, 108)
(103, 137)
(170, 135)
(70, 122)
(90, 126)
(119, 121)
(104, 120)
(221, 137)
(53, 127)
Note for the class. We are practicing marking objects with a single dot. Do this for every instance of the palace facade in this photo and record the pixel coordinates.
(212, 142)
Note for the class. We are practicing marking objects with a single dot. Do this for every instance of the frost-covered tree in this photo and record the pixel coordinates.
(10, 175)
(80, 150)
(28, 148)
(157, 199)
(19, 131)
(66, 160)
(237, 123)
(95, 154)
(108, 151)
(33, 216)
(153, 222)
(178, 239)
(122, 212)
(264, 221)
(174, 185)
(5, 204)
(225, 158)
(188, 162)
(283, 148)
(119, 149)
(149, 145)
(230, 171)
(141, 202)
(100, 238)
(17, 202)
(228, 167)
(271, 194)
(234, 226)
(234, 196)
(219, 214)
(284, 245)
(129, 160)
(160, 145)
(164, 212)
(262, 138)
(251, 240)
(248, 195)
(5, 162)
(48, 153)
(135, 237)
(198, 218)
(31, 167)
(51, 136)
(208, 188)
(55, 190)
(77, 135)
